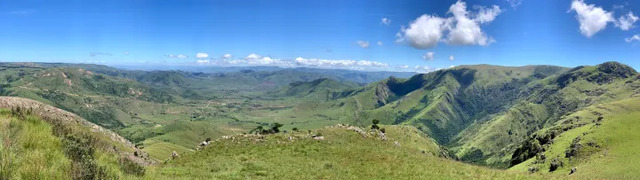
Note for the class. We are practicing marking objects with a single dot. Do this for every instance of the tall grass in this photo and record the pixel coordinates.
(29, 150)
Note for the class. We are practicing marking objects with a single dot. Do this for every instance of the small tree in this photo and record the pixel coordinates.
(257, 130)
(275, 127)
(295, 129)
(375, 124)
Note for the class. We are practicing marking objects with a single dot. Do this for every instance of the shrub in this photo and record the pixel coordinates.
(375, 124)
(555, 164)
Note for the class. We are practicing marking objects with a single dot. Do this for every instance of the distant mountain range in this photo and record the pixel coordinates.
(530, 118)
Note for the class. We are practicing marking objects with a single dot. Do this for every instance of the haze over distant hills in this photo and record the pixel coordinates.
(530, 118)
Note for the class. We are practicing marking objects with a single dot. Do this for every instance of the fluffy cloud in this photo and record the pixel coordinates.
(466, 31)
(227, 56)
(179, 56)
(592, 19)
(486, 15)
(202, 55)
(424, 32)
(451, 58)
(386, 21)
(632, 38)
(428, 56)
(253, 56)
(626, 22)
(463, 28)
(380, 43)
(363, 44)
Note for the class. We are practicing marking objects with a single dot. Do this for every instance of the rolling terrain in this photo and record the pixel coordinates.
(525, 122)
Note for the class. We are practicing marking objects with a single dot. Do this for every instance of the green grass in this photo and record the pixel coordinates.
(609, 150)
(33, 148)
(344, 154)
(29, 150)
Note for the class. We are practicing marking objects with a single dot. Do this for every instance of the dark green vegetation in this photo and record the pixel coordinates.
(540, 119)
(484, 113)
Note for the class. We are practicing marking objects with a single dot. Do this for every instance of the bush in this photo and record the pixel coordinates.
(375, 124)
(555, 164)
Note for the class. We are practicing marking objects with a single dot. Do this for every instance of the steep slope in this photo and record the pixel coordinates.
(599, 141)
(341, 153)
(40, 141)
(482, 113)
(549, 100)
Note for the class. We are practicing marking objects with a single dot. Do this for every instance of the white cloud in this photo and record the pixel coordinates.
(428, 56)
(202, 61)
(253, 56)
(126, 53)
(626, 22)
(592, 19)
(451, 58)
(202, 55)
(486, 15)
(463, 28)
(344, 64)
(452, 66)
(363, 44)
(380, 43)
(514, 3)
(632, 38)
(227, 56)
(467, 31)
(179, 56)
(386, 21)
(424, 32)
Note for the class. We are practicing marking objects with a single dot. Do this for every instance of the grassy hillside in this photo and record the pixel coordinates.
(341, 154)
(598, 141)
(481, 113)
(42, 142)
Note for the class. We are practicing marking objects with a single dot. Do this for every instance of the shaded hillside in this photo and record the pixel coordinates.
(482, 113)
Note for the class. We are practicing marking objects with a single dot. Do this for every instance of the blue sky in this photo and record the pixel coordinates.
(327, 33)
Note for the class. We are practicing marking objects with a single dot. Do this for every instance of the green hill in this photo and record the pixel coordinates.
(482, 113)
(320, 89)
(43, 142)
(343, 153)
(599, 141)
(522, 118)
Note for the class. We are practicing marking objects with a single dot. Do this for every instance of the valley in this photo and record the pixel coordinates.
(476, 121)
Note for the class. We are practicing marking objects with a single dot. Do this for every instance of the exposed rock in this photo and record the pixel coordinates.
(174, 155)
